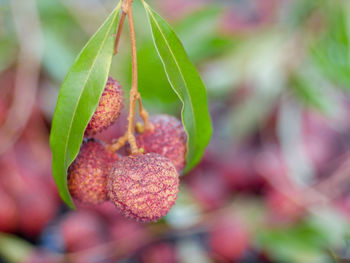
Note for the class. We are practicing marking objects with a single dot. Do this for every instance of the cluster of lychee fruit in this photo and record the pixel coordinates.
(144, 186)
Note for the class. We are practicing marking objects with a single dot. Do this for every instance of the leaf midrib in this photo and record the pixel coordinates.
(82, 90)
(178, 67)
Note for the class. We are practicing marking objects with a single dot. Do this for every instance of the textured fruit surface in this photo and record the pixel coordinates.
(167, 138)
(108, 109)
(143, 187)
(87, 176)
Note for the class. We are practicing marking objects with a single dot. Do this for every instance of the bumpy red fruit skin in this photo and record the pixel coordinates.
(87, 176)
(144, 187)
(108, 109)
(167, 138)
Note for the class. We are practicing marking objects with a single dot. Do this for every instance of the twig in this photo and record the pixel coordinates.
(134, 94)
(115, 146)
(144, 114)
(119, 31)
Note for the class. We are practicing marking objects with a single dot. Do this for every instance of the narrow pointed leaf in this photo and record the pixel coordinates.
(78, 100)
(186, 82)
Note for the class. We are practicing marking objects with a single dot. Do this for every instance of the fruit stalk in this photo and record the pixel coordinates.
(134, 94)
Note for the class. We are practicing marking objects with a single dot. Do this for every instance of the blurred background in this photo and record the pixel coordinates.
(274, 183)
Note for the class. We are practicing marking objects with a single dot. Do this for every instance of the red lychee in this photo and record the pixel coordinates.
(128, 234)
(160, 253)
(81, 230)
(8, 212)
(228, 239)
(108, 109)
(143, 187)
(36, 211)
(284, 208)
(87, 176)
(167, 138)
(43, 256)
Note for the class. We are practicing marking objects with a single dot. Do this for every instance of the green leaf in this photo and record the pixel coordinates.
(13, 249)
(78, 100)
(310, 94)
(332, 50)
(302, 242)
(187, 83)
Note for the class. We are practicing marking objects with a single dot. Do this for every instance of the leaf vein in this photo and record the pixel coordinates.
(176, 62)
(86, 79)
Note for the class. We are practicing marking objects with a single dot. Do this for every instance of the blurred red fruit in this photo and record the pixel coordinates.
(208, 188)
(8, 212)
(36, 211)
(228, 240)
(81, 230)
(128, 234)
(105, 210)
(160, 253)
(343, 205)
(238, 170)
(321, 142)
(241, 17)
(175, 9)
(43, 257)
(284, 207)
(270, 165)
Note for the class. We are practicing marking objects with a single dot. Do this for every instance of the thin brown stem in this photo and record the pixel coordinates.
(119, 32)
(134, 94)
(115, 146)
(144, 114)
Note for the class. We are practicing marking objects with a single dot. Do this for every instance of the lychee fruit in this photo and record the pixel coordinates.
(228, 239)
(160, 253)
(283, 208)
(36, 211)
(8, 212)
(81, 230)
(108, 109)
(144, 187)
(43, 256)
(167, 138)
(87, 175)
